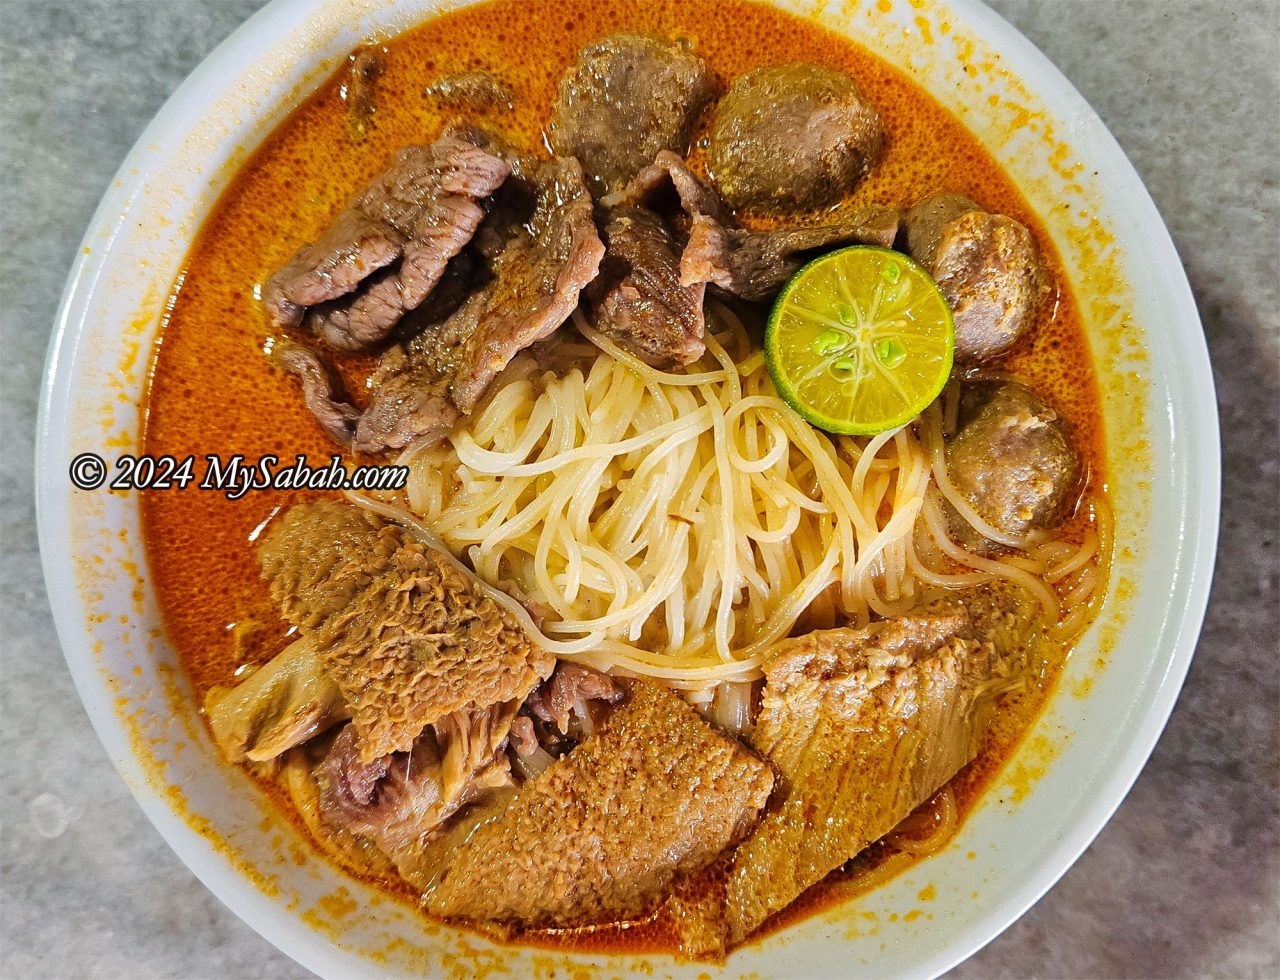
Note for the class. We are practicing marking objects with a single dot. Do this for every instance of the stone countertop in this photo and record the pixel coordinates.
(1184, 881)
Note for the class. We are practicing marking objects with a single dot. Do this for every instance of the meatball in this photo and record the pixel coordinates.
(1012, 459)
(625, 98)
(792, 136)
(987, 267)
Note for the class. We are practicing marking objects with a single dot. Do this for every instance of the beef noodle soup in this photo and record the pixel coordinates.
(752, 492)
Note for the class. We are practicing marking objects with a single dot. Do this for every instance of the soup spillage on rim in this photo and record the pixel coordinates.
(638, 655)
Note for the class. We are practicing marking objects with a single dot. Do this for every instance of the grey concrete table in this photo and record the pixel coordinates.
(1184, 881)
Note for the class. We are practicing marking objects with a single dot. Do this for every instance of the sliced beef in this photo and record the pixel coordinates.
(320, 390)
(862, 725)
(281, 704)
(366, 66)
(1012, 458)
(754, 265)
(405, 634)
(569, 690)
(402, 801)
(625, 97)
(792, 136)
(366, 317)
(537, 278)
(473, 89)
(601, 834)
(638, 301)
(987, 267)
(410, 402)
(420, 211)
(538, 267)
(668, 171)
(748, 264)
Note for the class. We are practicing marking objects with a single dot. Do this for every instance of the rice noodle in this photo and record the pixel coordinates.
(929, 827)
(674, 525)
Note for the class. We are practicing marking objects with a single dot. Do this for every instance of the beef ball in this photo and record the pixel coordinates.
(987, 267)
(625, 98)
(1012, 459)
(792, 136)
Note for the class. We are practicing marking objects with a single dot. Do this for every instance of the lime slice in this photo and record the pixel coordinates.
(860, 341)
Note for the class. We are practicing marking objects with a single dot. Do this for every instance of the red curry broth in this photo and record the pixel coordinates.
(213, 390)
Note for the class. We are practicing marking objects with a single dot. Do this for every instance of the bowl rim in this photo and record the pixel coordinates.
(1199, 510)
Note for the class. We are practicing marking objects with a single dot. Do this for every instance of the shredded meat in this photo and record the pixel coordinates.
(361, 90)
(569, 689)
(601, 834)
(300, 774)
(407, 637)
(420, 211)
(403, 801)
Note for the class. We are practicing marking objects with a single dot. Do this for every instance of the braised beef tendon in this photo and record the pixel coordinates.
(279, 705)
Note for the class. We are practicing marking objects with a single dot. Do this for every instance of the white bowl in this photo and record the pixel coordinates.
(1074, 767)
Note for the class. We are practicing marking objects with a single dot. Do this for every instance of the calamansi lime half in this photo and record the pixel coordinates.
(860, 340)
